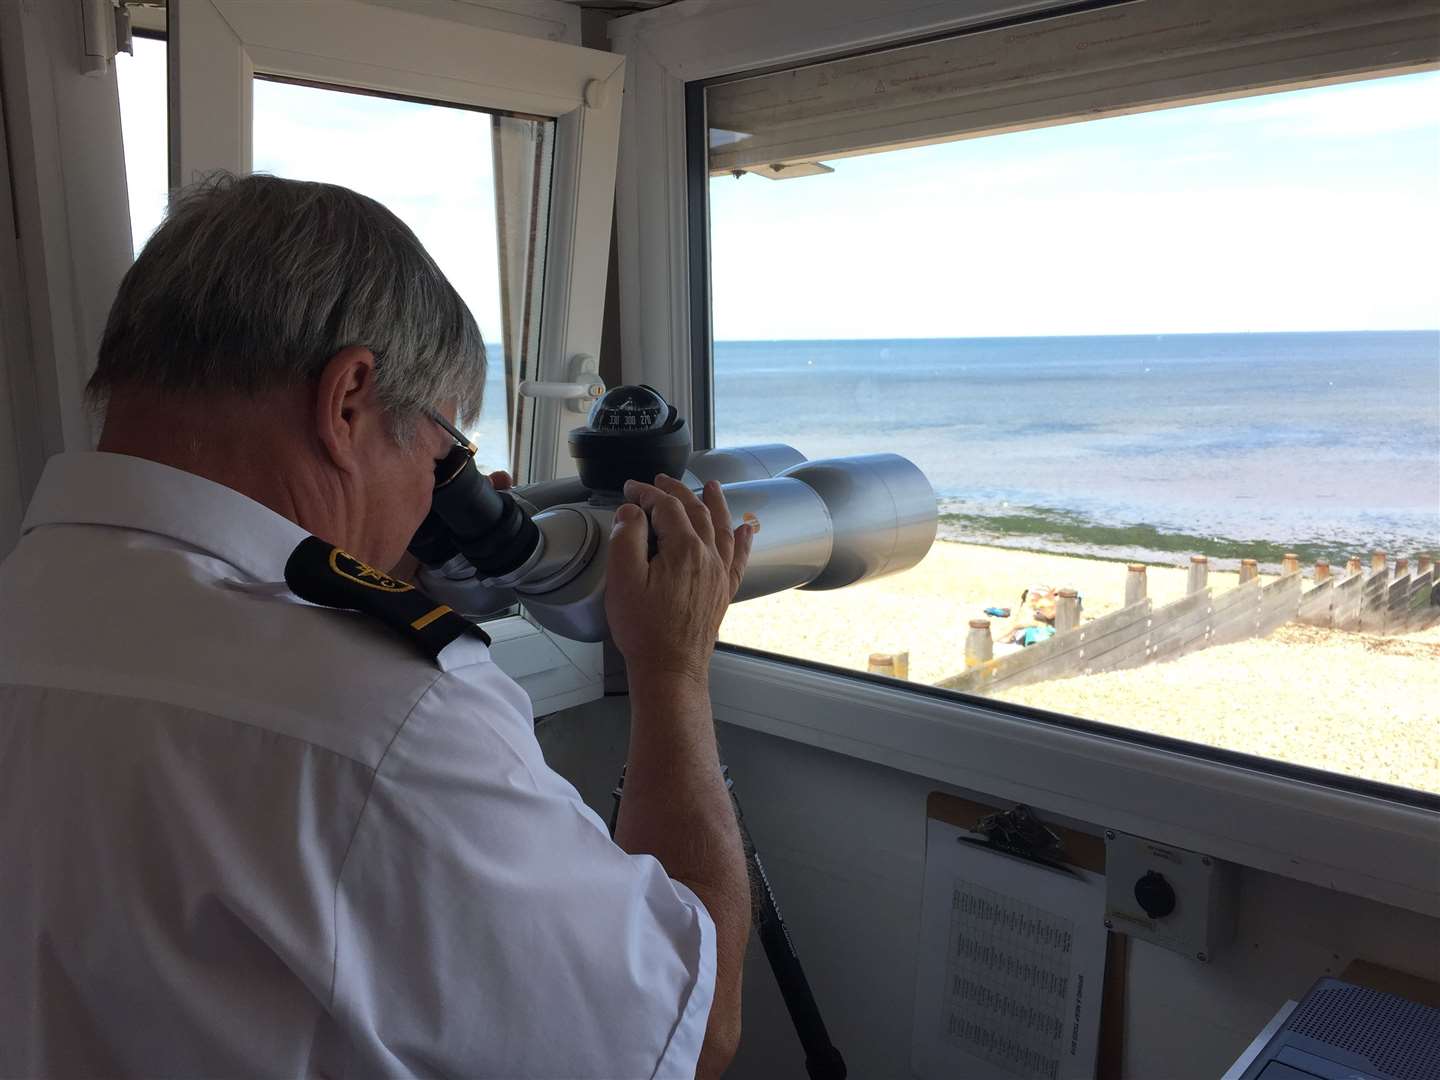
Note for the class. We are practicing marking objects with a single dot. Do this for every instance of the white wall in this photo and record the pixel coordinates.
(62, 256)
(843, 842)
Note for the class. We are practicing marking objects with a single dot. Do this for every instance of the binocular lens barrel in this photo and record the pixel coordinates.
(882, 513)
(793, 538)
(831, 523)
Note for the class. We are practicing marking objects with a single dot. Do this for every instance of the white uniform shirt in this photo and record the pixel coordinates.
(244, 835)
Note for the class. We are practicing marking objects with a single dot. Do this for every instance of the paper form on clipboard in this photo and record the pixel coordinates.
(1012, 965)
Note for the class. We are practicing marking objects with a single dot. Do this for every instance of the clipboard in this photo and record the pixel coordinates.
(1085, 851)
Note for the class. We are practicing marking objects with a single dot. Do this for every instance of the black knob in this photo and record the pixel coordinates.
(1155, 895)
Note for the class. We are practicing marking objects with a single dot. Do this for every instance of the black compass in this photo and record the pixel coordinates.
(633, 434)
(629, 410)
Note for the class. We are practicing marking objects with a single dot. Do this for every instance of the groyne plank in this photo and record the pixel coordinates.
(1345, 607)
(1373, 596)
(1165, 622)
(1006, 668)
(1315, 604)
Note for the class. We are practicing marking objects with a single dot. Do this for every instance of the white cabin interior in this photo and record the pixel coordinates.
(833, 768)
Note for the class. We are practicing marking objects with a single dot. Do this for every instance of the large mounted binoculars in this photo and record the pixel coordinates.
(817, 524)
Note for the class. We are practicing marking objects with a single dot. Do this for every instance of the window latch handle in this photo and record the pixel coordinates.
(583, 390)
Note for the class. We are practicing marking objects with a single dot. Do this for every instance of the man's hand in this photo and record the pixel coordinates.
(664, 612)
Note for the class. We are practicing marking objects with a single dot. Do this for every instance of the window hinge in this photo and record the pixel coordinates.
(106, 28)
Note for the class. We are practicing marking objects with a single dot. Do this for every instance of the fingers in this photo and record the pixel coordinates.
(744, 540)
(502, 480)
(667, 517)
(715, 506)
(629, 558)
(695, 510)
(673, 508)
(645, 496)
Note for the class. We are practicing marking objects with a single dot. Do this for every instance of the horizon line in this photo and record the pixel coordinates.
(1136, 334)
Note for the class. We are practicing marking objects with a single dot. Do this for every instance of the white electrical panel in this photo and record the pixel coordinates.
(1175, 898)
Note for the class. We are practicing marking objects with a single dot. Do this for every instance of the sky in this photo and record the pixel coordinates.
(1304, 210)
(430, 164)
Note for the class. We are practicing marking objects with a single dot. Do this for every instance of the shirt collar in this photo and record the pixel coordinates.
(93, 488)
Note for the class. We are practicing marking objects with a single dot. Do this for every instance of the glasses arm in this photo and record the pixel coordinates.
(452, 431)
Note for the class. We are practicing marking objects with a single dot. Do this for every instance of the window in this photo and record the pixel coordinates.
(437, 173)
(1130, 353)
(498, 149)
(434, 165)
(553, 114)
(141, 75)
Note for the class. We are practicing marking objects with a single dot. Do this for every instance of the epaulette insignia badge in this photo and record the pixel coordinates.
(331, 577)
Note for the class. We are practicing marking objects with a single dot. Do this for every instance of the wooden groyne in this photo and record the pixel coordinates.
(1385, 599)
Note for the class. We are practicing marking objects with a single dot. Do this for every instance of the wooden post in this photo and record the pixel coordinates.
(978, 645)
(1067, 610)
(1134, 583)
(1199, 574)
(1377, 562)
(893, 665)
(1322, 571)
(1402, 568)
(1249, 570)
(1290, 564)
(1422, 563)
(1352, 566)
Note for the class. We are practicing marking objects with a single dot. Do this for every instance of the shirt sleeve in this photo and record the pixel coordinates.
(486, 925)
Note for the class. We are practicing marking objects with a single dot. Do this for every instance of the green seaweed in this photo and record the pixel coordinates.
(1067, 527)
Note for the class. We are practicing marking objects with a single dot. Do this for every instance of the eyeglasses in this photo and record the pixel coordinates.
(451, 430)
(456, 461)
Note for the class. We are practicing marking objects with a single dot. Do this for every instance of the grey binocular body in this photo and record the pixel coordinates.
(817, 525)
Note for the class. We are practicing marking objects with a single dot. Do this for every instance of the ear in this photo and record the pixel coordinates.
(346, 405)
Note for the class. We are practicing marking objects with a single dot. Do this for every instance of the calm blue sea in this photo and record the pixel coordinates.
(1329, 442)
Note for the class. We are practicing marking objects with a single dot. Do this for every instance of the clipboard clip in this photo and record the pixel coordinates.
(1020, 833)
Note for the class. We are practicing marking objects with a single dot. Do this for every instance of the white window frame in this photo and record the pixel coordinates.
(218, 46)
(1297, 826)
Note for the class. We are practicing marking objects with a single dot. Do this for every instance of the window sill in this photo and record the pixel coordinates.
(555, 672)
(1345, 840)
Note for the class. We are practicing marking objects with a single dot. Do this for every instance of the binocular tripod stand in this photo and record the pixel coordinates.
(822, 1059)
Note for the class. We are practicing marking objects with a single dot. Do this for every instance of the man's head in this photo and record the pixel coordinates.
(285, 338)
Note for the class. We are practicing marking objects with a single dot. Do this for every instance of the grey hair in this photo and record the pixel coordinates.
(253, 283)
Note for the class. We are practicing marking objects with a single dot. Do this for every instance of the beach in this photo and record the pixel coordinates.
(1359, 704)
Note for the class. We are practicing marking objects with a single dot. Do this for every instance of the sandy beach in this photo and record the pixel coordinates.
(1351, 703)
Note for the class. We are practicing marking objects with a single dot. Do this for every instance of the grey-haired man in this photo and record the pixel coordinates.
(246, 835)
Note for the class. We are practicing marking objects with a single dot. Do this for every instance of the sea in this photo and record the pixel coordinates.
(1148, 447)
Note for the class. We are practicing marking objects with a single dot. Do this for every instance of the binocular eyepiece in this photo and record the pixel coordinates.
(469, 517)
(818, 524)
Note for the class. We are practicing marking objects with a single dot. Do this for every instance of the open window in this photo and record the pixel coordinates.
(497, 149)
(1162, 337)
(1096, 274)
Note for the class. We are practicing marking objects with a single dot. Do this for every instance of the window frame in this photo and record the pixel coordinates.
(216, 49)
(1357, 836)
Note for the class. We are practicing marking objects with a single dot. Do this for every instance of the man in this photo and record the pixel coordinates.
(244, 835)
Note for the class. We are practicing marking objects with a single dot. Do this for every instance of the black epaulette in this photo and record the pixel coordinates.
(331, 577)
